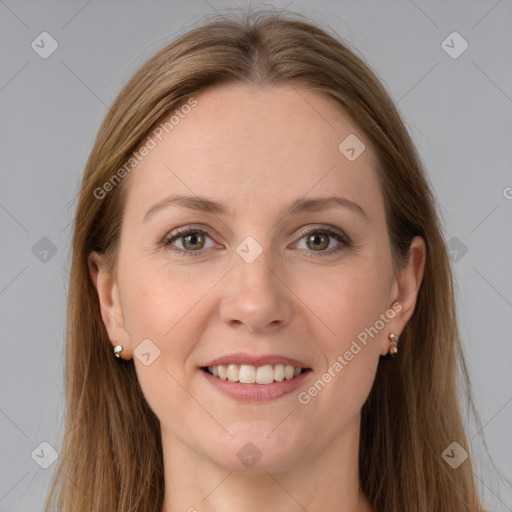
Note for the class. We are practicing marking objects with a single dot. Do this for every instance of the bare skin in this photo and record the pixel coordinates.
(256, 150)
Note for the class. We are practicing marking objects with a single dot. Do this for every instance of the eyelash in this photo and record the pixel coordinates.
(344, 240)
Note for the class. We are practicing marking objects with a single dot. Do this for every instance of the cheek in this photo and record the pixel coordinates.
(154, 298)
(350, 344)
(166, 305)
(348, 302)
(159, 306)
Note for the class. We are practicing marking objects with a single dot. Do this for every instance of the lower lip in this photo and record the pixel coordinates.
(256, 392)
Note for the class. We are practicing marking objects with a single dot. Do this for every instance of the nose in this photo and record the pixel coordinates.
(257, 297)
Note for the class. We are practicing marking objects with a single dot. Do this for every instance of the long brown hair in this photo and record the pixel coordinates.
(111, 455)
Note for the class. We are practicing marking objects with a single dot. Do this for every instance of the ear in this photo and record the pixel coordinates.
(405, 289)
(110, 303)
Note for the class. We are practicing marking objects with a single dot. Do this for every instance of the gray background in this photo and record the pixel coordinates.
(458, 111)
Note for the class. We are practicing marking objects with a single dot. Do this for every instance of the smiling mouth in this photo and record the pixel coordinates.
(249, 374)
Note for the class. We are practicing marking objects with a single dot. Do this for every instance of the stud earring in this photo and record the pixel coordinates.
(394, 341)
(117, 351)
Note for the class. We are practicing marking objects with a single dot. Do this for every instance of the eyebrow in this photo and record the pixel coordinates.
(301, 205)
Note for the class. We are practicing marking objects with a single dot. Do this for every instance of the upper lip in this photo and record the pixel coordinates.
(242, 358)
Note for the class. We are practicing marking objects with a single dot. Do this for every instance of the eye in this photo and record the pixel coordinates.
(318, 240)
(191, 238)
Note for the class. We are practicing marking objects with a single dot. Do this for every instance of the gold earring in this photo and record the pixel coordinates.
(117, 350)
(394, 341)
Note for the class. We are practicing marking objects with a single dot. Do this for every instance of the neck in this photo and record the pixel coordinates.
(321, 481)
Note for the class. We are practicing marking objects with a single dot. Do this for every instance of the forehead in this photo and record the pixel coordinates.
(253, 147)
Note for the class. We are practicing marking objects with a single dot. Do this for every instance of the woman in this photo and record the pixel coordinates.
(261, 313)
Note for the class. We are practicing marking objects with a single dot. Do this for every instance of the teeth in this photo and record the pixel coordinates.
(248, 374)
(264, 374)
(233, 372)
(279, 372)
(222, 371)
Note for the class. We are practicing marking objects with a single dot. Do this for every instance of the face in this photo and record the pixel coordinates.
(256, 277)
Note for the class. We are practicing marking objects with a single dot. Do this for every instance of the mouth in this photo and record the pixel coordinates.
(248, 374)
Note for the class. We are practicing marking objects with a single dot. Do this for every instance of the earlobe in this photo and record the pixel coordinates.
(109, 300)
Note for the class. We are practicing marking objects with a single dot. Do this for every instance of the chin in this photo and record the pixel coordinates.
(256, 448)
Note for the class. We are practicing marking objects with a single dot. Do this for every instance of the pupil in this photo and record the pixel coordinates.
(316, 240)
(193, 239)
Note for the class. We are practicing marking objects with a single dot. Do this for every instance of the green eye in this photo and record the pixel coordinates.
(193, 240)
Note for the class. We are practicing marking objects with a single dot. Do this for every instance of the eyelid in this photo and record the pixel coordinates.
(185, 230)
(330, 230)
(344, 240)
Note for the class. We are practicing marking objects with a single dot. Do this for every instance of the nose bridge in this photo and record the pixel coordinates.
(254, 270)
(256, 296)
